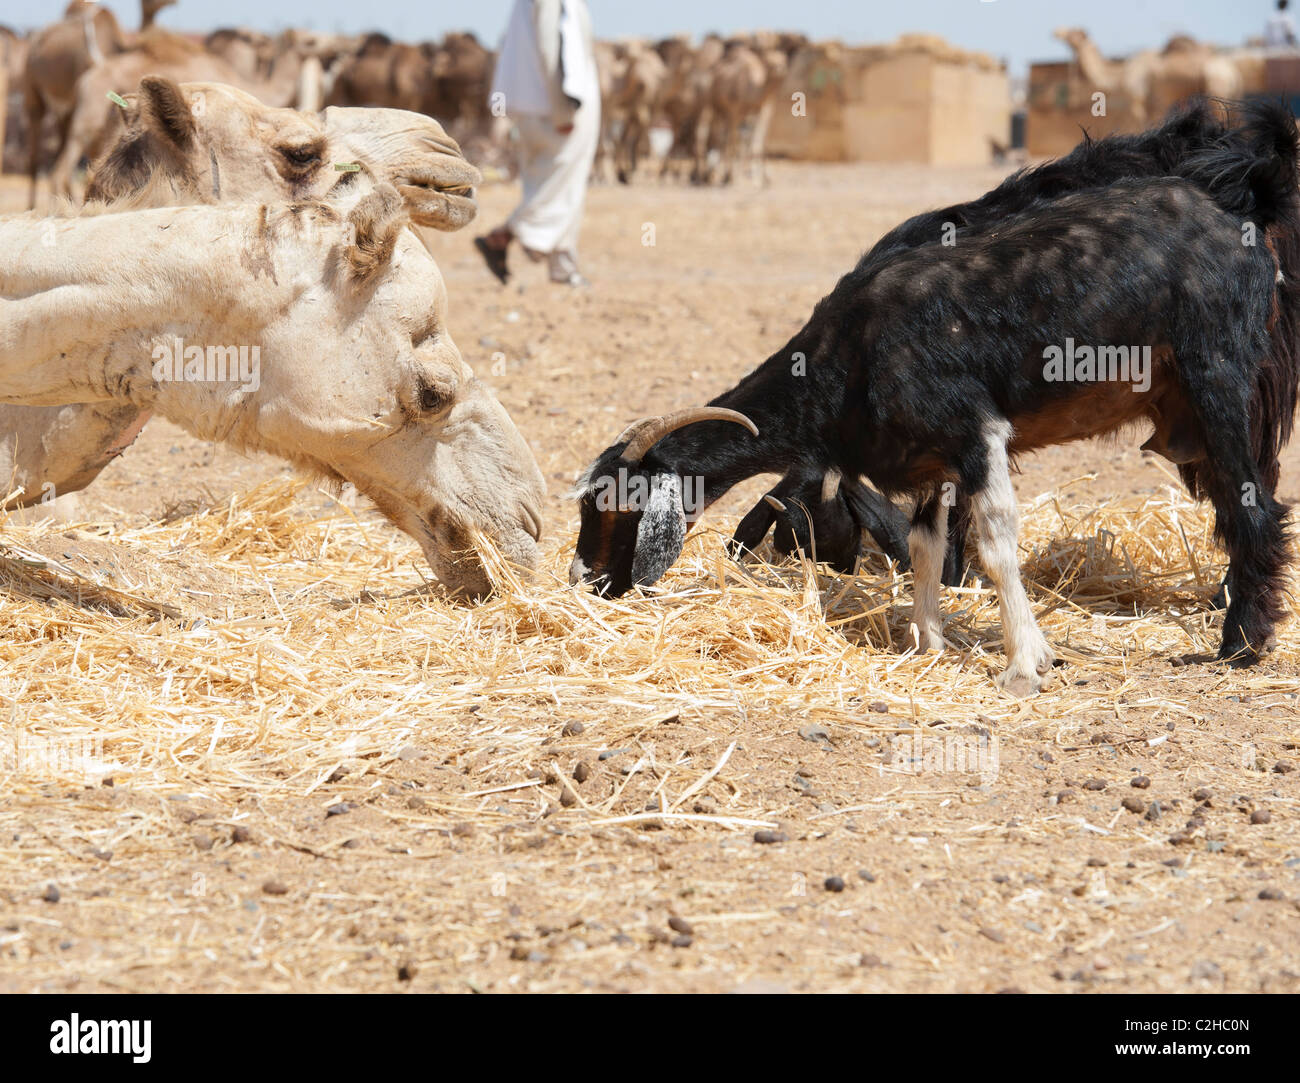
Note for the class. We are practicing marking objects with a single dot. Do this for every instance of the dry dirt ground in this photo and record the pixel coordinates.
(307, 775)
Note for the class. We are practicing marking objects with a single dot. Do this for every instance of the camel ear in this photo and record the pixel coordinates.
(164, 109)
(376, 223)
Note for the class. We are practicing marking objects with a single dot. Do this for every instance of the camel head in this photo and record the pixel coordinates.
(416, 156)
(149, 9)
(215, 143)
(366, 385)
(1073, 36)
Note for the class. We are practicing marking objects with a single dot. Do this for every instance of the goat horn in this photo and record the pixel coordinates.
(642, 435)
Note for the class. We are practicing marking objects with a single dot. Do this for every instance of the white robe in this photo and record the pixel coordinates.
(546, 71)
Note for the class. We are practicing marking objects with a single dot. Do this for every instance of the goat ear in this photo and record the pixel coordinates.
(662, 531)
(376, 222)
(879, 518)
(752, 529)
(165, 110)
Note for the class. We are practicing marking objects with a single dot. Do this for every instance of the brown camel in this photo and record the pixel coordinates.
(97, 119)
(249, 52)
(256, 55)
(632, 81)
(1154, 82)
(386, 73)
(682, 102)
(462, 76)
(12, 59)
(57, 56)
(741, 96)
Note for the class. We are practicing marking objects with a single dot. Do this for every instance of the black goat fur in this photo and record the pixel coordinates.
(918, 350)
(1194, 142)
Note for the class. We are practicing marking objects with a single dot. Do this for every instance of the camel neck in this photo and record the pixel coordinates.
(86, 300)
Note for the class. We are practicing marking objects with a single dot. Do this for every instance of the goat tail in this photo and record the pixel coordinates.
(1269, 129)
(1252, 171)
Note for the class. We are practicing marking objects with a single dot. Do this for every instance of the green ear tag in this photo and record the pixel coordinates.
(347, 167)
(117, 99)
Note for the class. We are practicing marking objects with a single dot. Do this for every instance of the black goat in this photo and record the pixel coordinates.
(1193, 142)
(938, 364)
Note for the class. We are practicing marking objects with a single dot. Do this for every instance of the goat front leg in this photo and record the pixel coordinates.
(928, 543)
(997, 529)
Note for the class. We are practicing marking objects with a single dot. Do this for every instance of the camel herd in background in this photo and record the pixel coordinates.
(1154, 81)
(700, 109)
(715, 97)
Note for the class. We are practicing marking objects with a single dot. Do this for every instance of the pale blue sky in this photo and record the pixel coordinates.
(1017, 30)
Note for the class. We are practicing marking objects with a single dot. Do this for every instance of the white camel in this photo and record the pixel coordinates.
(358, 378)
(191, 144)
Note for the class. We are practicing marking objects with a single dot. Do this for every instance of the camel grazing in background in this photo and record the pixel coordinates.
(13, 60)
(1153, 82)
(449, 79)
(96, 119)
(356, 376)
(462, 75)
(57, 57)
(168, 154)
(9, 47)
(685, 94)
(388, 73)
(246, 50)
(260, 60)
(741, 96)
(717, 100)
(632, 79)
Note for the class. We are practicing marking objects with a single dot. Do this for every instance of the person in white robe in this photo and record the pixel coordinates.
(1280, 33)
(547, 84)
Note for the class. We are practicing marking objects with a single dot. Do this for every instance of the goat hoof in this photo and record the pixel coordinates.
(1021, 680)
(1237, 651)
(927, 638)
(1020, 684)
(1240, 656)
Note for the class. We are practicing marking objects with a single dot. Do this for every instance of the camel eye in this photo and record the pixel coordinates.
(433, 399)
(301, 157)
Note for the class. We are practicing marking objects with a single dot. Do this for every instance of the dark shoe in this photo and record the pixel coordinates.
(495, 258)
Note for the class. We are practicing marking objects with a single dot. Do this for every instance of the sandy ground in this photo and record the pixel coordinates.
(1034, 876)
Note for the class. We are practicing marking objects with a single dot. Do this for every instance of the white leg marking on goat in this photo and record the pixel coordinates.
(927, 548)
(997, 527)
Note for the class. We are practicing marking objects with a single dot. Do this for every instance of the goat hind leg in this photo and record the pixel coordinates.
(927, 543)
(997, 530)
(1251, 524)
